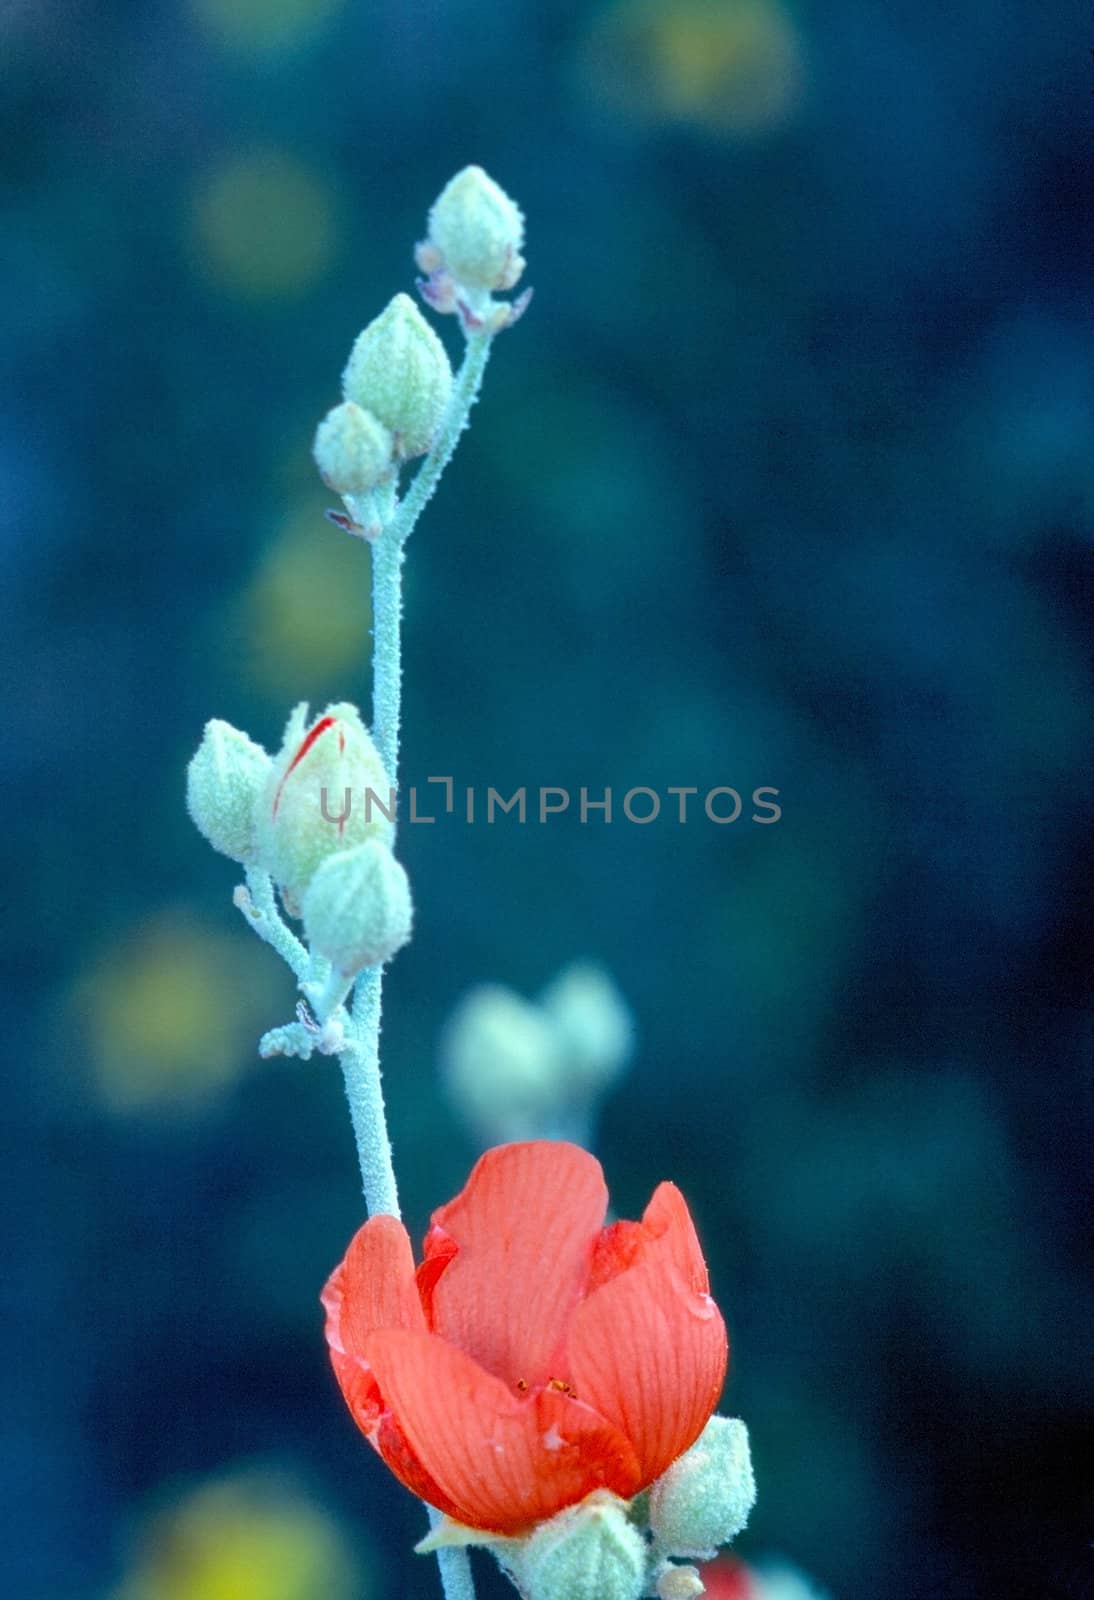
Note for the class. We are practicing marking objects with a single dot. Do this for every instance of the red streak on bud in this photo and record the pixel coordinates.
(305, 745)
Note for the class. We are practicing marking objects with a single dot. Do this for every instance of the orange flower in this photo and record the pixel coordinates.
(535, 1355)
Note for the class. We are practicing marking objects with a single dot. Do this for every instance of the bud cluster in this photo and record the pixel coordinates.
(606, 1548)
(284, 815)
(397, 387)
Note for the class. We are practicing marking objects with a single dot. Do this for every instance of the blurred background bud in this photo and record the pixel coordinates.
(518, 1069)
(593, 1024)
(500, 1064)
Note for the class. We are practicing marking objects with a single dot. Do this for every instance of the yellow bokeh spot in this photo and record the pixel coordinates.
(307, 614)
(264, 225)
(731, 66)
(172, 1014)
(264, 27)
(243, 1539)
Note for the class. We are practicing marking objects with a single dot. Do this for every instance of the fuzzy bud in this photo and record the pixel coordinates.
(501, 1064)
(587, 1552)
(594, 1026)
(704, 1498)
(353, 450)
(357, 909)
(224, 780)
(399, 371)
(476, 233)
(326, 792)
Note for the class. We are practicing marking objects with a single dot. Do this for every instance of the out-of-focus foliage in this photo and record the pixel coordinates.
(785, 479)
(248, 1536)
(168, 1014)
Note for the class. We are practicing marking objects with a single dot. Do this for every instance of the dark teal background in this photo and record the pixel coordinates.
(785, 479)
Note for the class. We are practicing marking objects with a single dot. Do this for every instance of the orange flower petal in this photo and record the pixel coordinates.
(648, 1348)
(499, 1462)
(372, 1288)
(524, 1230)
(617, 1248)
(439, 1251)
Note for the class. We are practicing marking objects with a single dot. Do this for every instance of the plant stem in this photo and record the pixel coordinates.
(465, 392)
(365, 1094)
(361, 1057)
(258, 905)
(457, 1580)
(387, 665)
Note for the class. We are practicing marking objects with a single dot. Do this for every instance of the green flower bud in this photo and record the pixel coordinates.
(224, 780)
(326, 792)
(357, 909)
(501, 1065)
(399, 371)
(353, 450)
(594, 1026)
(587, 1552)
(477, 231)
(704, 1498)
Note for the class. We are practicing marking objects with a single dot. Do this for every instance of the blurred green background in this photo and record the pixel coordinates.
(786, 479)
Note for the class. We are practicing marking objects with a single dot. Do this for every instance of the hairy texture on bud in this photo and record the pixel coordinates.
(224, 780)
(357, 909)
(477, 232)
(705, 1497)
(399, 371)
(316, 800)
(587, 1552)
(353, 450)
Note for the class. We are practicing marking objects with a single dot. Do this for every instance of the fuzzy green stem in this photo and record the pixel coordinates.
(259, 906)
(361, 1058)
(387, 665)
(465, 392)
(457, 1579)
(365, 1094)
(330, 994)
